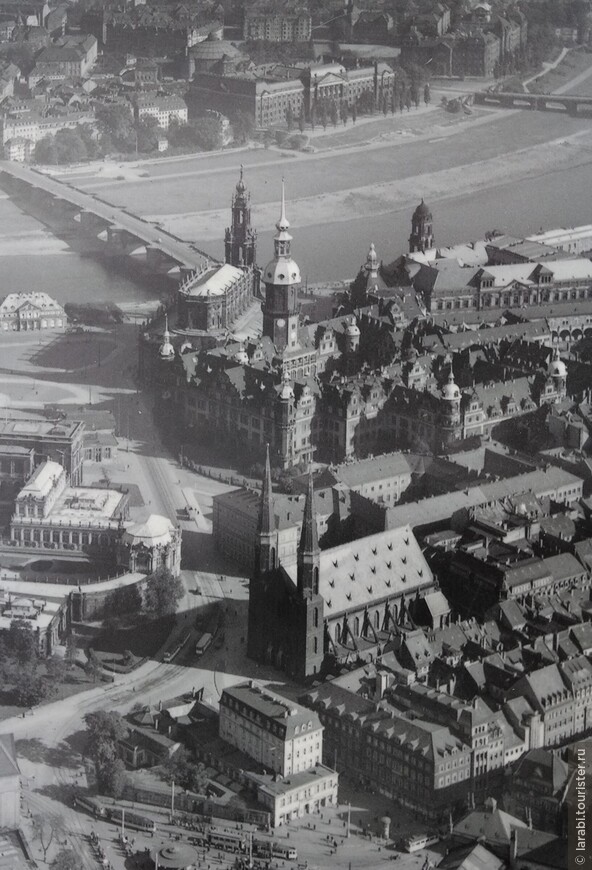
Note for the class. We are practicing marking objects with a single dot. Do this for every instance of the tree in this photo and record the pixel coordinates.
(112, 777)
(426, 94)
(289, 118)
(70, 147)
(333, 112)
(91, 143)
(125, 599)
(185, 772)
(105, 729)
(93, 669)
(148, 132)
(66, 859)
(344, 112)
(301, 120)
(30, 688)
(22, 643)
(56, 670)
(323, 114)
(163, 592)
(354, 112)
(46, 830)
(46, 151)
(116, 123)
(243, 127)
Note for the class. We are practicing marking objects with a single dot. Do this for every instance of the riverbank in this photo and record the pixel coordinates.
(383, 198)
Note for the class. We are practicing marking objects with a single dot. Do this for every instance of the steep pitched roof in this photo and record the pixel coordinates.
(373, 568)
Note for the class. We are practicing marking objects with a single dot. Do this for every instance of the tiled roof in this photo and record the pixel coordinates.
(291, 715)
(370, 569)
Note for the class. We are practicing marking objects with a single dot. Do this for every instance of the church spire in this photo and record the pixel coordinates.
(283, 238)
(266, 538)
(266, 524)
(308, 550)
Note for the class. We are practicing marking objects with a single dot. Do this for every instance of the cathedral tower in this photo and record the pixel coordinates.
(422, 233)
(240, 239)
(308, 550)
(266, 547)
(309, 615)
(281, 277)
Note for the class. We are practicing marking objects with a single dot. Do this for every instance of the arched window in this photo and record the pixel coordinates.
(357, 626)
(316, 617)
(337, 633)
(376, 619)
(316, 645)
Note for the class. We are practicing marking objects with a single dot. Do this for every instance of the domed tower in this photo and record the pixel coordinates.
(166, 350)
(451, 417)
(372, 264)
(422, 233)
(557, 373)
(240, 239)
(281, 277)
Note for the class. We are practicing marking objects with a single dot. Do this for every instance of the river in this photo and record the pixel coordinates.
(32, 259)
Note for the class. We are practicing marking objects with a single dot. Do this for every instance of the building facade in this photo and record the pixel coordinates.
(59, 441)
(51, 515)
(21, 312)
(277, 26)
(276, 733)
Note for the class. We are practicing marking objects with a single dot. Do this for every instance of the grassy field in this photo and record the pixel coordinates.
(574, 64)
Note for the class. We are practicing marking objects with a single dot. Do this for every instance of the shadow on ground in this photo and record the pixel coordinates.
(36, 751)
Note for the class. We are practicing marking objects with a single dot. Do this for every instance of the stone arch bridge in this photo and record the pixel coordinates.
(118, 231)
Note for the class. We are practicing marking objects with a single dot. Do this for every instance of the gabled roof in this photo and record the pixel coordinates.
(542, 767)
(354, 575)
(472, 857)
(491, 827)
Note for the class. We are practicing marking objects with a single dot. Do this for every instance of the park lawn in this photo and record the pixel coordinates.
(142, 638)
(573, 64)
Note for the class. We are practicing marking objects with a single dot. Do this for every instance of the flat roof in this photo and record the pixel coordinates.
(87, 503)
(276, 786)
(31, 428)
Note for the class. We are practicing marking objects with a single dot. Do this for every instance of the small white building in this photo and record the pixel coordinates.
(164, 108)
(289, 798)
(31, 311)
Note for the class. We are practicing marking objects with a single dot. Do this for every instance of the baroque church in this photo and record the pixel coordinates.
(332, 606)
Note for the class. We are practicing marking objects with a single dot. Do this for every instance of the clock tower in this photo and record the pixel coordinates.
(281, 277)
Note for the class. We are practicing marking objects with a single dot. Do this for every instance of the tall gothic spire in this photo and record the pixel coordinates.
(309, 537)
(266, 523)
(308, 550)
